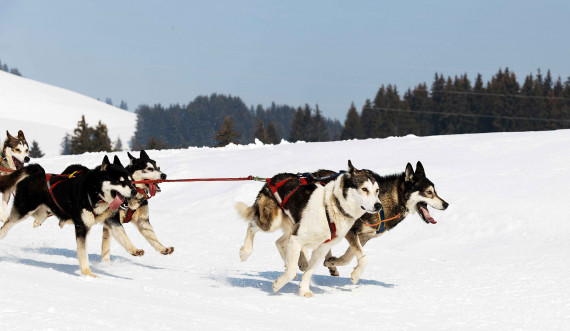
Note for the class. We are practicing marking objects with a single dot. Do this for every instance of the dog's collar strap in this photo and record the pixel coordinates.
(129, 216)
(342, 211)
(332, 226)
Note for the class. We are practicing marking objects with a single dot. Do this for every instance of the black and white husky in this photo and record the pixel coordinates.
(15, 151)
(401, 194)
(83, 196)
(141, 168)
(315, 216)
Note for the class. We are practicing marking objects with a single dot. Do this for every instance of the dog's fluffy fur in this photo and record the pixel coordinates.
(305, 223)
(85, 199)
(141, 168)
(15, 151)
(405, 193)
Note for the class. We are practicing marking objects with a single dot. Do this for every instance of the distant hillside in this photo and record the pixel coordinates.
(46, 113)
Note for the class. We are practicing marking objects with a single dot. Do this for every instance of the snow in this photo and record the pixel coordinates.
(46, 113)
(497, 258)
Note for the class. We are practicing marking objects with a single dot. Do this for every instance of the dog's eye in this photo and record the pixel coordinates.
(149, 169)
(365, 189)
(18, 150)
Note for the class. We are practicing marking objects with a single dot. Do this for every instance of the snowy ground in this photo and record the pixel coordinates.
(498, 258)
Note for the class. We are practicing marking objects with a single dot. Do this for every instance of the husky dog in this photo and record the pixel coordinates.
(401, 194)
(83, 196)
(315, 216)
(15, 153)
(137, 207)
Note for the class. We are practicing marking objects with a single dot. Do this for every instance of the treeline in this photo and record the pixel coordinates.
(457, 105)
(14, 71)
(199, 122)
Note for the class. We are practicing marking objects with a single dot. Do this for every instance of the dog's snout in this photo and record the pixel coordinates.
(377, 207)
(26, 159)
(445, 205)
(163, 176)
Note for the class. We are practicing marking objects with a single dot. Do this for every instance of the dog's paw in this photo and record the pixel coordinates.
(244, 253)
(303, 263)
(334, 272)
(167, 251)
(330, 262)
(306, 294)
(87, 272)
(138, 252)
(278, 284)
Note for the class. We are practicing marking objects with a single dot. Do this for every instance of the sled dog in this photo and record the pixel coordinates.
(135, 209)
(314, 216)
(15, 151)
(80, 195)
(401, 194)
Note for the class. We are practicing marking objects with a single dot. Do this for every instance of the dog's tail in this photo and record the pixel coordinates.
(9, 181)
(245, 211)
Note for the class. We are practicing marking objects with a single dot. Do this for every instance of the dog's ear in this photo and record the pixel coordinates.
(420, 170)
(144, 155)
(131, 158)
(9, 135)
(105, 163)
(409, 173)
(351, 168)
(116, 161)
(21, 135)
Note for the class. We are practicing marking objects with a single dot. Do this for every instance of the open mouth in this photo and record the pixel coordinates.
(117, 200)
(153, 188)
(17, 163)
(424, 213)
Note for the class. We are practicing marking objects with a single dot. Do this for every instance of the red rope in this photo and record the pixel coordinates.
(153, 181)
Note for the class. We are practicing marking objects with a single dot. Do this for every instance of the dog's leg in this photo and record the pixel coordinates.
(81, 231)
(247, 248)
(316, 257)
(356, 249)
(332, 269)
(293, 251)
(106, 245)
(145, 228)
(303, 262)
(40, 215)
(14, 218)
(4, 209)
(118, 232)
(281, 244)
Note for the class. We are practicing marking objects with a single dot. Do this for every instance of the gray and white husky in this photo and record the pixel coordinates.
(314, 216)
(15, 151)
(401, 194)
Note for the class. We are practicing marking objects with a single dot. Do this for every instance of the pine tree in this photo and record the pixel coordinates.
(118, 145)
(298, 126)
(260, 132)
(271, 134)
(80, 141)
(123, 105)
(227, 133)
(35, 150)
(352, 129)
(100, 139)
(66, 145)
(156, 143)
(320, 129)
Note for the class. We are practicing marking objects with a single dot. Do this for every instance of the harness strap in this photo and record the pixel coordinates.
(332, 226)
(382, 222)
(130, 213)
(65, 177)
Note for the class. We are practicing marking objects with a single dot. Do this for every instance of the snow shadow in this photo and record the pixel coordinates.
(263, 281)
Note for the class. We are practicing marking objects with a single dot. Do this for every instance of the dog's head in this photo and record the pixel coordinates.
(16, 150)
(116, 183)
(420, 192)
(361, 187)
(143, 168)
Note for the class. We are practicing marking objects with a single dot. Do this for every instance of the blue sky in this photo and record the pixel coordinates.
(330, 53)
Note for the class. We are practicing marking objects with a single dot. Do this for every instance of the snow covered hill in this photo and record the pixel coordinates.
(498, 258)
(46, 113)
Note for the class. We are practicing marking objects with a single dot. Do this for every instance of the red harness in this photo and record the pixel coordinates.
(152, 190)
(283, 202)
(51, 187)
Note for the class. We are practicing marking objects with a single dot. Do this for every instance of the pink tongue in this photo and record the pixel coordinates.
(427, 215)
(117, 202)
(152, 189)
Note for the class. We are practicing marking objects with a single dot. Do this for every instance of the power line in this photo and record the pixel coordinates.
(536, 119)
(502, 95)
